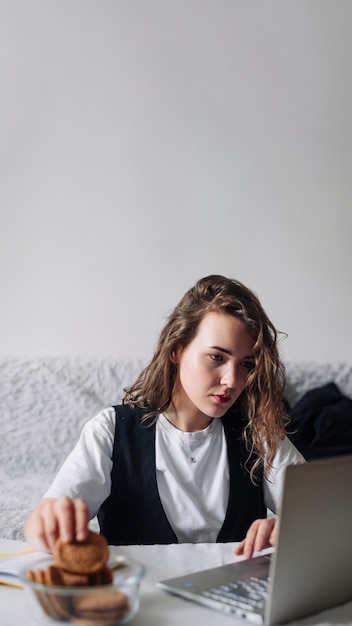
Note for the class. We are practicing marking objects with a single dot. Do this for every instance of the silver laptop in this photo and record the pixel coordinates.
(311, 567)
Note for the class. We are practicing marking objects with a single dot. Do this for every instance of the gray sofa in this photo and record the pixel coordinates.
(44, 403)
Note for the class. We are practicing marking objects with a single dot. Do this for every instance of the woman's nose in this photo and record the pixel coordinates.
(228, 378)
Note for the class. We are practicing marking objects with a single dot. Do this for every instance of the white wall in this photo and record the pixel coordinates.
(146, 143)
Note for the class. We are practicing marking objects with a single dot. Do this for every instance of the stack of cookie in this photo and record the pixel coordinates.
(80, 565)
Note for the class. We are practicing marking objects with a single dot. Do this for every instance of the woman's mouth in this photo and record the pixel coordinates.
(222, 398)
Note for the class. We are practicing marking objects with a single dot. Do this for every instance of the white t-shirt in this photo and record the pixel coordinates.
(191, 468)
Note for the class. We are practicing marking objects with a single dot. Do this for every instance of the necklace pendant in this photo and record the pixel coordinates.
(192, 459)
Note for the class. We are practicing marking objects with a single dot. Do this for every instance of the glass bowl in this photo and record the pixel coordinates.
(104, 605)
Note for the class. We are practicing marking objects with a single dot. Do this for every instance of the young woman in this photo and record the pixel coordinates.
(197, 449)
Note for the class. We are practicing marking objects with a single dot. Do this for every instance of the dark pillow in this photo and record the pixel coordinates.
(321, 423)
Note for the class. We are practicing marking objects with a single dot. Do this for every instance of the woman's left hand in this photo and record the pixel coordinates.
(260, 535)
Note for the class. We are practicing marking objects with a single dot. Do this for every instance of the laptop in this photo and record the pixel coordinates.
(311, 567)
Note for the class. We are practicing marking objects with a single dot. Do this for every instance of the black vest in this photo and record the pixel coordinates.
(133, 513)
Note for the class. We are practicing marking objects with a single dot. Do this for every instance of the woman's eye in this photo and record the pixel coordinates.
(248, 365)
(216, 357)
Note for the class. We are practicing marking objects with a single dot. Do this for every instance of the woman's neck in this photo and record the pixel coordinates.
(185, 420)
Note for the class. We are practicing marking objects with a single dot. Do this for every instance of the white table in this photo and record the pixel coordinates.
(159, 608)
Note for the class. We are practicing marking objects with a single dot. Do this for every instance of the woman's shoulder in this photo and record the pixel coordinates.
(102, 422)
(287, 453)
(136, 413)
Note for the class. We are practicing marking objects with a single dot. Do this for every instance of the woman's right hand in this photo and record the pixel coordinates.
(62, 517)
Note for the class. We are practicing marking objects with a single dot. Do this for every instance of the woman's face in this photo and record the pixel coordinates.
(212, 371)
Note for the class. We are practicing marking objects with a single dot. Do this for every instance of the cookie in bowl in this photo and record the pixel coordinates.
(82, 584)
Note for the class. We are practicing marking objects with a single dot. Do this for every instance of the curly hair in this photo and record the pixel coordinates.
(262, 399)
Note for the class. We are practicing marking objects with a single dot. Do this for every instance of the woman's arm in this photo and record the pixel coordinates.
(79, 488)
(262, 533)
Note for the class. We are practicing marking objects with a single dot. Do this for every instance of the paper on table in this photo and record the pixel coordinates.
(10, 581)
(12, 563)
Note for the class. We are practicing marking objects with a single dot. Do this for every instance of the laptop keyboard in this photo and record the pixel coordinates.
(250, 594)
